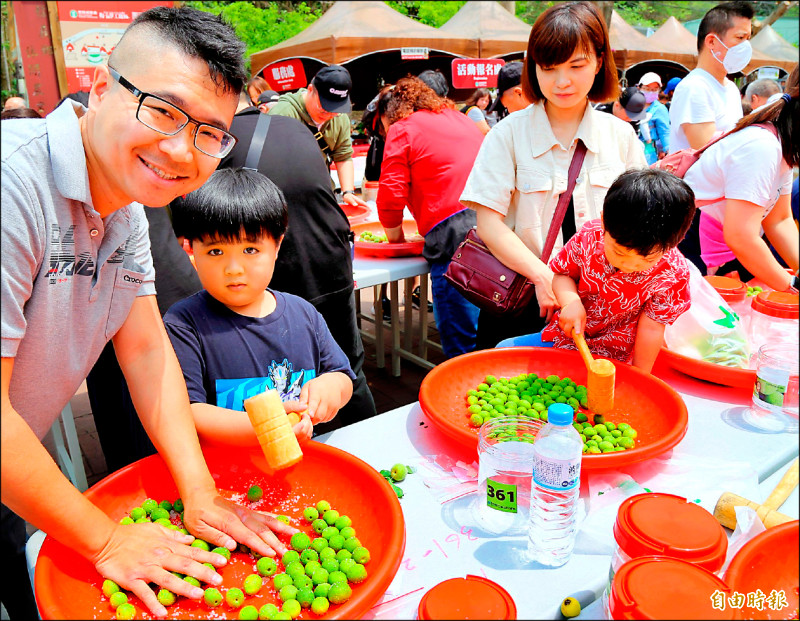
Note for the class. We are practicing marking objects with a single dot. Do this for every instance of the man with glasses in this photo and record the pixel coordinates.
(77, 271)
(324, 108)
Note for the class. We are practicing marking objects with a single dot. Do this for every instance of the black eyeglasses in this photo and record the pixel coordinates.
(168, 119)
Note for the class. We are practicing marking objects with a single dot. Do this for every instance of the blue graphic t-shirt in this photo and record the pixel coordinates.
(227, 358)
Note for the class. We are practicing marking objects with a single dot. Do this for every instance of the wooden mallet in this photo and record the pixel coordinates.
(767, 511)
(599, 379)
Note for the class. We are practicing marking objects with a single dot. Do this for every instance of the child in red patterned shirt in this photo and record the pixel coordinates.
(621, 280)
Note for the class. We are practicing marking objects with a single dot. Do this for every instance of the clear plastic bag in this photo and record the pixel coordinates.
(710, 330)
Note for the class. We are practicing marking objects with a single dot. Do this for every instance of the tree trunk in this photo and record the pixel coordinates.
(773, 17)
(605, 7)
(509, 5)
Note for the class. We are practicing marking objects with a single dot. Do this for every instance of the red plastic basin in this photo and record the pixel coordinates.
(356, 214)
(708, 371)
(372, 249)
(68, 586)
(645, 402)
(768, 561)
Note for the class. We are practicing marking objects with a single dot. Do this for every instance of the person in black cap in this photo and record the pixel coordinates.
(324, 108)
(510, 96)
(267, 101)
(631, 107)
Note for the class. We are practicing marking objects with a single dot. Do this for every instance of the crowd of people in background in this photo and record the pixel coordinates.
(272, 245)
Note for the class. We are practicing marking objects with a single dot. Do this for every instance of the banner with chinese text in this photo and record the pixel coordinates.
(476, 72)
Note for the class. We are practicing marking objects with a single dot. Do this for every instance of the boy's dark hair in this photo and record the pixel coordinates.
(436, 80)
(648, 210)
(720, 19)
(200, 35)
(234, 204)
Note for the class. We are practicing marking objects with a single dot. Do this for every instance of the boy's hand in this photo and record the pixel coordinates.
(304, 429)
(572, 318)
(325, 394)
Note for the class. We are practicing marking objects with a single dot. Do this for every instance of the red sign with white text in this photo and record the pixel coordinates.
(476, 72)
(285, 75)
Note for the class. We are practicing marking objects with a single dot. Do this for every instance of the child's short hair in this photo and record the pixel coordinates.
(234, 203)
(648, 210)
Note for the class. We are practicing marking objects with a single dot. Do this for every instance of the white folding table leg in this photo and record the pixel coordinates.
(69, 457)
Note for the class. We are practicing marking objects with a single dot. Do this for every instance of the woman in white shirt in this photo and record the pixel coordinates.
(742, 184)
(521, 169)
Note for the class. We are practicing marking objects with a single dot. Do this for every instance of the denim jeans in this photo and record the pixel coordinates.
(526, 340)
(456, 318)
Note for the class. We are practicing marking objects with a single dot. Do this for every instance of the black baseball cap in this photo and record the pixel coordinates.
(634, 102)
(509, 76)
(333, 85)
(268, 97)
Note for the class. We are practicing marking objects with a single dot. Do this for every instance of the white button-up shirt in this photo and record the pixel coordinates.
(521, 170)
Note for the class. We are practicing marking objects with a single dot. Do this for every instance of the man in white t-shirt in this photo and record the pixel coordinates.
(706, 101)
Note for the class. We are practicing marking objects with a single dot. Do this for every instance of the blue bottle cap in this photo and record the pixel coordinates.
(560, 414)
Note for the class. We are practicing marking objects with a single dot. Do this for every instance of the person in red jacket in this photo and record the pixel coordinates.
(430, 149)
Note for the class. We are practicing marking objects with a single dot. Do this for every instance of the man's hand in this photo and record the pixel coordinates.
(138, 554)
(222, 523)
(353, 200)
(572, 318)
(325, 395)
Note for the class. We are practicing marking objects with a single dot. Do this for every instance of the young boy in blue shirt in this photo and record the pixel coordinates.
(237, 338)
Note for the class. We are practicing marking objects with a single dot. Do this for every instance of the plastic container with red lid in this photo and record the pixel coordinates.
(730, 289)
(774, 318)
(734, 292)
(660, 587)
(667, 525)
(472, 597)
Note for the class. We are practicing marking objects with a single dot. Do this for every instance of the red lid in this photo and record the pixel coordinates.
(668, 525)
(371, 184)
(777, 304)
(730, 289)
(659, 587)
(472, 597)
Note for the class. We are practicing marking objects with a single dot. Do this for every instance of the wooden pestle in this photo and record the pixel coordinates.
(599, 379)
(725, 510)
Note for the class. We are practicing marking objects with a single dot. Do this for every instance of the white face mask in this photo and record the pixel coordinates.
(650, 96)
(737, 57)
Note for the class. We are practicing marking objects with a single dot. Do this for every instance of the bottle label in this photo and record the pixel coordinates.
(501, 496)
(771, 392)
(556, 474)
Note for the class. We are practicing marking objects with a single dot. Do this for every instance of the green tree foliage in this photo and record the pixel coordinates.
(265, 25)
(652, 12)
(430, 13)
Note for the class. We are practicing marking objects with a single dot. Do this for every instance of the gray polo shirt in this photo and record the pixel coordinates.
(69, 277)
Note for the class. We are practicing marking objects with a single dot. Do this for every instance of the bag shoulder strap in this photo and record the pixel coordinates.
(321, 143)
(257, 142)
(563, 200)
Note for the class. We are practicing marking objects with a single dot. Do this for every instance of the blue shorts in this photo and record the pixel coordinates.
(526, 340)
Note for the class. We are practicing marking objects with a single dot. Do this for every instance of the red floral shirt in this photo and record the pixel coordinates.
(613, 299)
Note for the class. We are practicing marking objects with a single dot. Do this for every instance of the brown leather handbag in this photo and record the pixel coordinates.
(489, 284)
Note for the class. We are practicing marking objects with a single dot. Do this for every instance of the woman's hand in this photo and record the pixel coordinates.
(548, 304)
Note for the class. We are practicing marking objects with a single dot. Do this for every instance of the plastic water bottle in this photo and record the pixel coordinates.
(555, 488)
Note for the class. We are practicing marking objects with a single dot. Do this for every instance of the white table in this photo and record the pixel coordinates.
(443, 540)
(372, 272)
